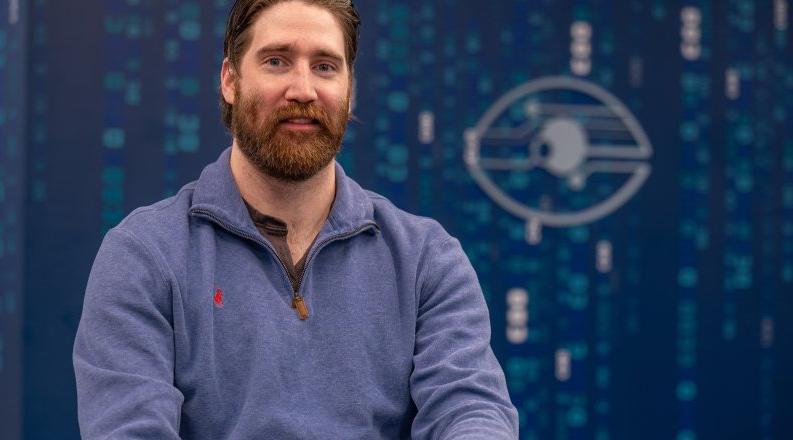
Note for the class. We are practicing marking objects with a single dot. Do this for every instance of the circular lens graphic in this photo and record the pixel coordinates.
(558, 151)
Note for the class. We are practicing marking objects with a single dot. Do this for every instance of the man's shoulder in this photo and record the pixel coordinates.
(161, 219)
(403, 225)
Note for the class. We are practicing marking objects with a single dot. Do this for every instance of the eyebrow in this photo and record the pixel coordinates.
(265, 51)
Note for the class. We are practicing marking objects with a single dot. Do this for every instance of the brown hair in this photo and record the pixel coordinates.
(244, 13)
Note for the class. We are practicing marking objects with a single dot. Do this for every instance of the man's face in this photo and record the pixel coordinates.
(291, 93)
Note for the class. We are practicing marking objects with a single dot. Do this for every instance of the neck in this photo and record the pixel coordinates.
(304, 206)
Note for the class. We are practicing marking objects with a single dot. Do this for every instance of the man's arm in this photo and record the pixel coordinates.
(123, 352)
(457, 383)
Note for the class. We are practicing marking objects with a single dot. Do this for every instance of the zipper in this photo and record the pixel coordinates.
(298, 303)
(300, 306)
(257, 240)
(297, 300)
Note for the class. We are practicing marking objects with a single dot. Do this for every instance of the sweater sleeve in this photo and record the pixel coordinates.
(124, 350)
(457, 383)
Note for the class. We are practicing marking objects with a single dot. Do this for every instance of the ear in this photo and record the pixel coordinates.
(228, 81)
(351, 96)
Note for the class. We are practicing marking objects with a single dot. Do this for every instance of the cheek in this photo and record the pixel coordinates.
(263, 94)
(257, 102)
(336, 100)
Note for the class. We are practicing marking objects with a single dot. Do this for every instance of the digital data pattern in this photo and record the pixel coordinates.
(620, 174)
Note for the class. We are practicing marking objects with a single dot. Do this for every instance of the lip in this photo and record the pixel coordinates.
(300, 124)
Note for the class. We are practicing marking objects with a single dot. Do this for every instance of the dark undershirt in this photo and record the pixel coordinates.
(275, 230)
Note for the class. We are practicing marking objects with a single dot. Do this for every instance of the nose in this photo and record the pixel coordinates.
(301, 86)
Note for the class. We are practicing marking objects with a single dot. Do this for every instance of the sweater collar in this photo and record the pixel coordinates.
(217, 197)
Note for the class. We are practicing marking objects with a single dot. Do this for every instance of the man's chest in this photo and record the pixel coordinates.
(242, 352)
(233, 320)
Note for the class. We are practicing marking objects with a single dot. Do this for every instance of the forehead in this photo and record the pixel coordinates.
(299, 25)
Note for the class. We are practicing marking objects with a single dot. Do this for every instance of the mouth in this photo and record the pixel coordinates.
(300, 123)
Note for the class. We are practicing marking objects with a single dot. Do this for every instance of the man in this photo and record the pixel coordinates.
(273, 298)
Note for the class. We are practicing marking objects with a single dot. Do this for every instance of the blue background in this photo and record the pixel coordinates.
(685, 334)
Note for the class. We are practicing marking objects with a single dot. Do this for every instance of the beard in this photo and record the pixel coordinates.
(288, 155)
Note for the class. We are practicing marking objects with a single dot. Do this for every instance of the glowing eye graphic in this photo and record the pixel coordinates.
(558, 152)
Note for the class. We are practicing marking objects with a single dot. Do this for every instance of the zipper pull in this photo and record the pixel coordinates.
(300, 306)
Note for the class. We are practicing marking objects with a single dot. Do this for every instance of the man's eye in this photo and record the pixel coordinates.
(273, 62)
(325, 67)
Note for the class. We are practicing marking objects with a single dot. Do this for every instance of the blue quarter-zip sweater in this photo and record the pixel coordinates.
(188, 331)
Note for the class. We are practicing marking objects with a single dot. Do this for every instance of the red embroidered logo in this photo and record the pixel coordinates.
(218, 298)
